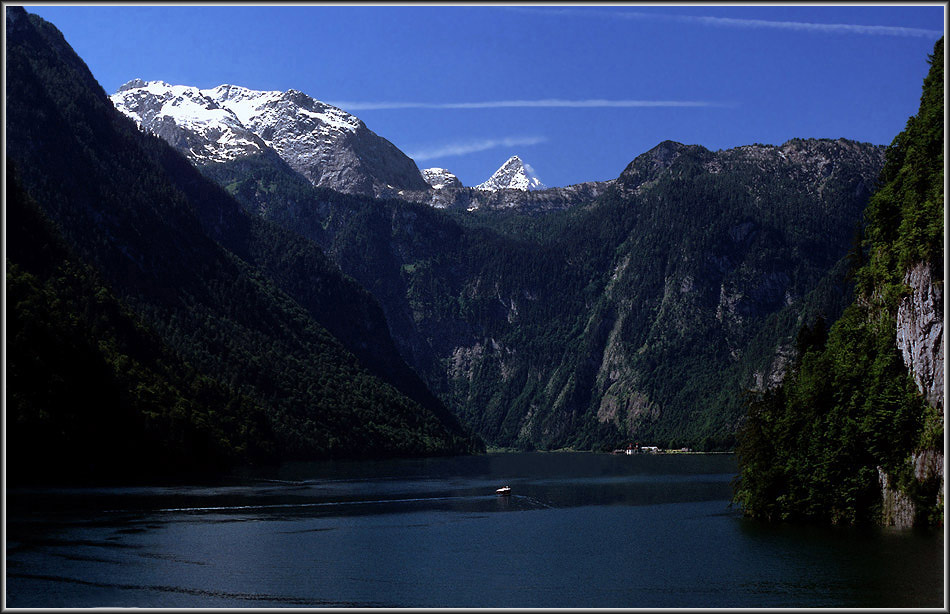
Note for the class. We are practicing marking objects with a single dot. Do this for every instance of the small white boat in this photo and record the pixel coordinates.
(504, 490)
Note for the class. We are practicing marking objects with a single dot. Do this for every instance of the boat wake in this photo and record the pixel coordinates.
(466, 502)
(303, 505)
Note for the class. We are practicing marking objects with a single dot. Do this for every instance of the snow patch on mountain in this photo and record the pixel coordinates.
(513, 175)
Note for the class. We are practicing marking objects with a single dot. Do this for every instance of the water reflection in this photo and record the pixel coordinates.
(578, 530)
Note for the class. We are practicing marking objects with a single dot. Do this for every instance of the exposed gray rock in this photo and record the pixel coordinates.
(920, 339)
(929, 465)
(188, 120)
(773, 375)
(811, 163)
(920, 333)
(897, 509)
(131, 85)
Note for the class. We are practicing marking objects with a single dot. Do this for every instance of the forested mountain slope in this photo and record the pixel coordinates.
(92, 392)
(641, 314)
(213, 324)
(855, 432)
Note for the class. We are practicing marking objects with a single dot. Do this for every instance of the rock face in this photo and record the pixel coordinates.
(512, 175)
(678, 261)
(928, 467)
(328, 146)
(325, 144)
(920, 339)
(440, 178)
(897, 509)
(920, 333)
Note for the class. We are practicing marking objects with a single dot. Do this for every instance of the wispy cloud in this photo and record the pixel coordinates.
(462, 148)
(733, 22)
(552, 103)
(830, 28)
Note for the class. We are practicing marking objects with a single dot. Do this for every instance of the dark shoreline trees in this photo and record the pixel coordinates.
(849, 415)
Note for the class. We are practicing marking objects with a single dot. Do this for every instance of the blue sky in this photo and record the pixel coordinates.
(577, 91)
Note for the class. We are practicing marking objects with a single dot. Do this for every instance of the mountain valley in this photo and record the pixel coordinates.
(204, 278)
(542, 336)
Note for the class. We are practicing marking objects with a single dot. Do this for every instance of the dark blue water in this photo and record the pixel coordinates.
(579, 530)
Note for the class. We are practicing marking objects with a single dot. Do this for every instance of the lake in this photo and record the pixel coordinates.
(578, 530)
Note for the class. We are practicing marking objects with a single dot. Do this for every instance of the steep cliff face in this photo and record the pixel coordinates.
(440, 178)
(919, 338)
(672, 271)
(920, 332)
(689, 315)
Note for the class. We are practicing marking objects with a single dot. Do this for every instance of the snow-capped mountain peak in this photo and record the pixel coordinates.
(440, 178)
(514, 174)
(325, 144)
(188, 119)
(259, 109)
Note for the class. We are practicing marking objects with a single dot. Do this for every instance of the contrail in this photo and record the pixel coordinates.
(551, 103)
(735, 22)
(832, 28)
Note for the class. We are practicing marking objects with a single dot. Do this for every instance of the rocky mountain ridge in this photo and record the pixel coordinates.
(328, 146)
(514, 200)
(189, 120)
(810, 162)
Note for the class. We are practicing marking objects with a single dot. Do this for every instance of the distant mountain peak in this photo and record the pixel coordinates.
(440, 178)
(514, 174)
